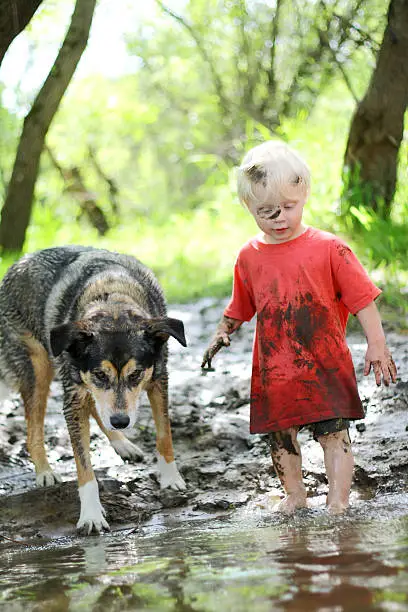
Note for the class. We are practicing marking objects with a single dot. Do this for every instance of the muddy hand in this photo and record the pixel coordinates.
(214, 347)
(383, 366)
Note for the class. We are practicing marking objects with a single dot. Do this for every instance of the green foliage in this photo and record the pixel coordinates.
(385, 241)
(169, 134)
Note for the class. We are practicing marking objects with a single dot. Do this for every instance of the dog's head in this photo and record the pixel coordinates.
(114, 357)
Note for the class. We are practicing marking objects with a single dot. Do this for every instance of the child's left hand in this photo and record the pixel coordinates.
(379, 358)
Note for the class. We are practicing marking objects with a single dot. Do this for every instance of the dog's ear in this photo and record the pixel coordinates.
(163, 328)
(64, 336)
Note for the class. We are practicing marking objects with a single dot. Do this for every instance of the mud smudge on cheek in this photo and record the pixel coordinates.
(268, 215)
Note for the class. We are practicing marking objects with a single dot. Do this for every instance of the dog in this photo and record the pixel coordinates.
(98, 320)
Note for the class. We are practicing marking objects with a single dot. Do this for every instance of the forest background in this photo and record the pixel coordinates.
(140, 153)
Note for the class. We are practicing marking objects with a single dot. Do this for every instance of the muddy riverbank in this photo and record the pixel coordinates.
(225, 468)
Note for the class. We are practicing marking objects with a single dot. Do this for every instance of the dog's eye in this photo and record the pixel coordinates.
(100, 377)
(134, 378)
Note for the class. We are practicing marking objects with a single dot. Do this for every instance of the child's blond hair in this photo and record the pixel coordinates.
(275, 166)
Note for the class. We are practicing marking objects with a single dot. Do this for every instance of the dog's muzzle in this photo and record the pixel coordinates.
(120, 421)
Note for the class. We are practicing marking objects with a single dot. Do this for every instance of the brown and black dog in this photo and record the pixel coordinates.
(99, 320)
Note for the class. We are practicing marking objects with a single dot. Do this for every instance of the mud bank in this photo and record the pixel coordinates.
(224, 466)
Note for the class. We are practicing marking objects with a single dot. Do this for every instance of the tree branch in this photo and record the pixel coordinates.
(364, 36)
(87, 200)
(344, 74)
(111, 183)
(272, 55)
(246, 78)
(224, 103)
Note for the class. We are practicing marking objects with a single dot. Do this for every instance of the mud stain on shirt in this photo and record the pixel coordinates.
(306, 319)
(344, 251)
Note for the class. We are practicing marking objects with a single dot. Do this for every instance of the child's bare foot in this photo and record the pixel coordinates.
(337, 507)
(291, 502)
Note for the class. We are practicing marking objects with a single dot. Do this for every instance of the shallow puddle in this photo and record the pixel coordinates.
(248, 560)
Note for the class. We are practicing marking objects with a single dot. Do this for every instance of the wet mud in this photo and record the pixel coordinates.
(226, 469)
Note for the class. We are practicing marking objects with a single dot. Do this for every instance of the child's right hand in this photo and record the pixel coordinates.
(220, 339)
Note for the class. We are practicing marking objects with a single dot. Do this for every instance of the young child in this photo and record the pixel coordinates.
(302, 283)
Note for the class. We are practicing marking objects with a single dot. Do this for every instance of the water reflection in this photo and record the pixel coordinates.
(248, 562)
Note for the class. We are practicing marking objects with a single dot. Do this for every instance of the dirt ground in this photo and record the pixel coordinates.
(224, 466)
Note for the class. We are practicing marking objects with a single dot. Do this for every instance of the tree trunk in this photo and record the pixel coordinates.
(14, 17)
(87, 200)
(16, 212)
(376, 131)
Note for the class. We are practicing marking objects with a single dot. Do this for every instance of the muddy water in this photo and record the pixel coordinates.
(251, 560)
(220, 546)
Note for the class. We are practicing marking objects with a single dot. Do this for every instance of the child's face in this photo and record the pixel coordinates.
(279, 217)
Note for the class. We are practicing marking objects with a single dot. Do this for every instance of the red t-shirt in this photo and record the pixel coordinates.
(302, 292)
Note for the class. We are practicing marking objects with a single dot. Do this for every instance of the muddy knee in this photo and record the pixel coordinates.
(284, 440)
(339, 438)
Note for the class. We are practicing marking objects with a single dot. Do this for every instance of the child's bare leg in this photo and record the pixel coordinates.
(339, 462)
(287, 461)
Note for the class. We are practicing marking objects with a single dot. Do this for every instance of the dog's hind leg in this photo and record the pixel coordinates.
(158, 397)
(77, 408)
(34, 388)
(122, 445)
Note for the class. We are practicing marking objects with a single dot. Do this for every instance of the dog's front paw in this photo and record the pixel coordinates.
(92, 517)
(47, 478)
(127, 450)
(94, 523)
(176, 482)
(170, 476)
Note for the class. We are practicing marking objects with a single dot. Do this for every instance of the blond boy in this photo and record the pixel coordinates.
(302, 283)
